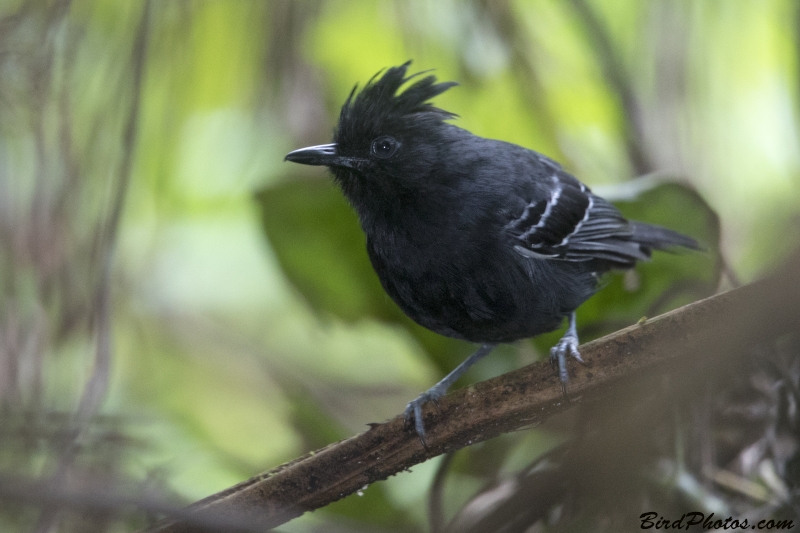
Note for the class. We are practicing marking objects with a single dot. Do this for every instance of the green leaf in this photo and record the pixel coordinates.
(320, 246)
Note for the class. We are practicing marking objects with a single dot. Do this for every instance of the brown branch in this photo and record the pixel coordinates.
(711, 330)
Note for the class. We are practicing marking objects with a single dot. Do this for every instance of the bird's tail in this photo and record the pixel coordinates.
(658, 238)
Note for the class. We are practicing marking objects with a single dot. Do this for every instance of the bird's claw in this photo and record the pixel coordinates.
(568, 345)
(414, 409)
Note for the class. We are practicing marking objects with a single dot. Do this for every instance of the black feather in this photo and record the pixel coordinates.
(474, 238)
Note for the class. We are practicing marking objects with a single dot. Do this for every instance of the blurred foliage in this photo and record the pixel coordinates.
(179, 309)
(330, 268)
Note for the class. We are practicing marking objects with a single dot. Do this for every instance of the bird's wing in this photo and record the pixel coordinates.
(570, 223)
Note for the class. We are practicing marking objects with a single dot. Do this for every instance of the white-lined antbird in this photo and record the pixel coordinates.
(473, 238)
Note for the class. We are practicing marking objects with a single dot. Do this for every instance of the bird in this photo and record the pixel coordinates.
(473, 238)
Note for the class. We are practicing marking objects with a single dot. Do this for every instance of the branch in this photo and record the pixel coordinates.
(711, 330)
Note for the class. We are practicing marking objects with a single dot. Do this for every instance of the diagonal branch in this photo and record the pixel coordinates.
(711, 331)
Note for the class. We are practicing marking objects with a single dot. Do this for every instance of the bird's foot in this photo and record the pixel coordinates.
(414, 410)
(568, 345)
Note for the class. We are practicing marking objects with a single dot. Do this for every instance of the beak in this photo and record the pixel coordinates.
(321, 155)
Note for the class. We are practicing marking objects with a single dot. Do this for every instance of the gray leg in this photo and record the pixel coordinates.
(414, 407)
(568, 345)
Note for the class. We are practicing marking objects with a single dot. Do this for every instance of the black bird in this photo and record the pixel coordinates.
(473, 238)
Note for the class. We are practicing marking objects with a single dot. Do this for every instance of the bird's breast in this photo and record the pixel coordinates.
(465, 288)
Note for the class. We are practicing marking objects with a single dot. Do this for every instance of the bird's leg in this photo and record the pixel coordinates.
(414, 407)
(568, 345)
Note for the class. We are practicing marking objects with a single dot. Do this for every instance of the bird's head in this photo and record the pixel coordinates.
(385, 139)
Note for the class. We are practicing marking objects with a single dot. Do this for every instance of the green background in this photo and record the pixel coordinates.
(246, 324)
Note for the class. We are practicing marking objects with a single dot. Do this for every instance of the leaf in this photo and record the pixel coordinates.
(321, 248)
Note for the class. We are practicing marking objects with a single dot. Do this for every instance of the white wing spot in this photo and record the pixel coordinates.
(523, 216)
(579, 224)
(525, 212)
(531, 254)
(548, 209)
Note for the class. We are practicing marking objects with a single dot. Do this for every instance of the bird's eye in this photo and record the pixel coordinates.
(384, 147)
